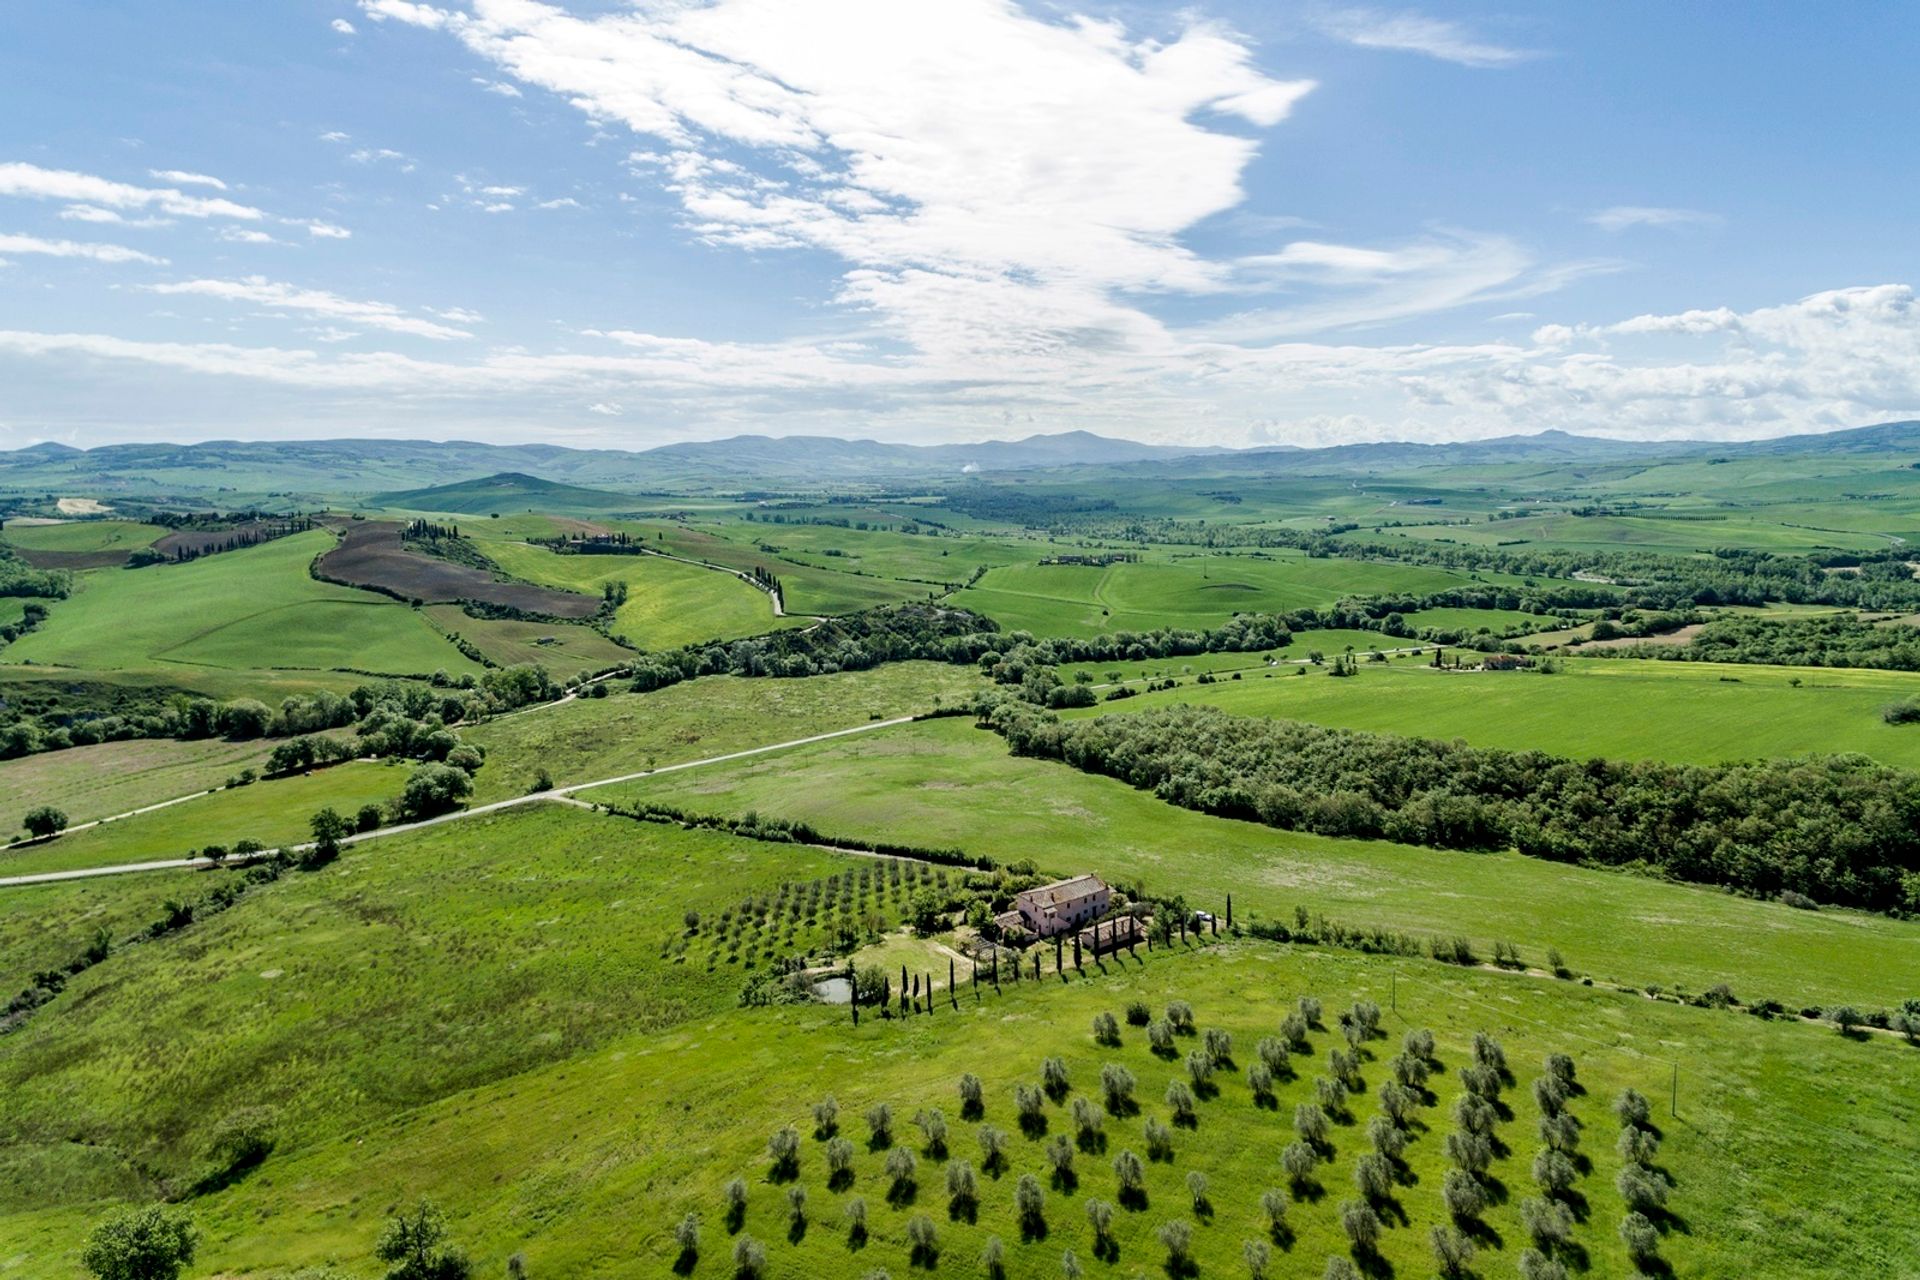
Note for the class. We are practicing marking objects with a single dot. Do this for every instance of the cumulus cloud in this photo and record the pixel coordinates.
(260, 291)
(1416, 33)
(342, 26)
(95, 252)
(181, 178)
(1622, 217)
(327, 231)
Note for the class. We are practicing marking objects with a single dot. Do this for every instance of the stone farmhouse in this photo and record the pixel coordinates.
(1060, 907)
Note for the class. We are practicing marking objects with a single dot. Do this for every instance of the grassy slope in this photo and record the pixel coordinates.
(1691, 712)
(584, 1166)
(669, 604)
(628, 732)
(84, 535)
(46, 926)
(945, 782)
(92, 782)
(273, 813)
(808, 589)
(250, 609)
(1192, 592)
(564, 649)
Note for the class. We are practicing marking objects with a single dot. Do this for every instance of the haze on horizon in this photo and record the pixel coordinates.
(1234, 224)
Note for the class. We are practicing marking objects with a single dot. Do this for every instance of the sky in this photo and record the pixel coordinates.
(625, 224)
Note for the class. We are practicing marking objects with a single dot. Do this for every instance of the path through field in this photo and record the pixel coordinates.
(564, 794)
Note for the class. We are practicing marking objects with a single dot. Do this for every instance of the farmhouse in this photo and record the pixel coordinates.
(1059, 907)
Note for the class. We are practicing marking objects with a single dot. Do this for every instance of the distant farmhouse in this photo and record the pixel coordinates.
(1060, 907)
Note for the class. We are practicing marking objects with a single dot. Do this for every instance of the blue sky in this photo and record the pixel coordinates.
(625, 224)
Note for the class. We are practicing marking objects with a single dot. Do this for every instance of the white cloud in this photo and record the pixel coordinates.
(499, 87)
(342, 26)
(1415, 33)
(1621, 217)
(181, 178)
(564, 202)
(92, 213)
(334, 135)
(247, 235)
(383, 155)
(327, 231)
(260, 291)
(28, 181)
(605, 410)
(95, 252)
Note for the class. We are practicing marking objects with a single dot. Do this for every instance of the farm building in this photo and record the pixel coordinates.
(1059, 907)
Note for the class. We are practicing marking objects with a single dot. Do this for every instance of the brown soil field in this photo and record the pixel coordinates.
(371, 555)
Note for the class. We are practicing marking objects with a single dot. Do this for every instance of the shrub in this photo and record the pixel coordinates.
(1641, 1188)
(1388, 1138)
(1463, 1193)
(826, 1117)
(1373, 1176)
(415, 1243)
(1200, 1067)
(1452, 1251)
(1845, 1018)
(1129, 1174)
(1632, 1108)
(783, 1152)
(1180, 1017)
(1176, 1237)
(963, 1189)
(1310, 1122)
(923, 1241)
(1219, 1047)
(1197, 1192)
(1309, 1009)
(1100, 1218)
(972, 1106)
(1159, 1139)
(1362, 1225)
(1548, 1223)
(879, 1119)
(153, 1243)
(901, 1166)
(1116, 1087)
(1273, 1203)
(749, 1258)
(1255, 1253)
(1086, 1124)
(735, 1193)
(1138, 1014)
(1106, 1029)
(1640, 1237)
(1030, 1202)
(1299, 1160)
(43, 822)
(993, 1149)
(1260, 1082)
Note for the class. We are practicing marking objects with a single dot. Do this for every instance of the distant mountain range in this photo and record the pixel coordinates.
(396, 469)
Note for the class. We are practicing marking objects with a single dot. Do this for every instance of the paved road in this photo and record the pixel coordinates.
(564, 795)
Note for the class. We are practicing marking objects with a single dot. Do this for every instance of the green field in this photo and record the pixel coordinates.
(668, 604)
(563, 649)
(1695, 713)
(626, 732)
(530, 1071)
(251, 609)
(1646, 533)
(947, 783)
(808, 589)
(97, 781)
(273, 813)
(1084, 600)
(84, 535)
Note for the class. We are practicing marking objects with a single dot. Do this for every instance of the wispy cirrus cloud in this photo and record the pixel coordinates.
(182, 178)
(1622, 217)
(31, 182)
(259, 291)
(1409, 32)
(91, 250)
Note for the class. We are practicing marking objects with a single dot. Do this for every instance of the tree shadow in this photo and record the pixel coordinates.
(995, 1164)
(1205, 1090)
(736, 1218)
(924, 1255)
(1033, 1229)
(1092, 1142)
(1372, 1264)
(1390, 1209)
(856, 1238)
(963, 1209)
(784, 1171)
(1497, 1192)
(881, 1141)
(1307, 1189)
(684, 1264)
(1106, 1249)
(1186, 1120)
(903, 1193)
(1133, 1199)
(972, 1110)
(1182, 1268)
(1480, 1231)
(796, 1230)
(839, 1179)
(1034, 1124)
(1576, 1204)
(1056, 1091)
(1266, 1101)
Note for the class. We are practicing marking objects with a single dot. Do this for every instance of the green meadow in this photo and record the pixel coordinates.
(668, 603)
(84, 535)
(566, 1086)
(946, 782)
(564, 649)
(107, 778)
(1696, 713)
(1196, 591)
(274, 813)
(251, 609)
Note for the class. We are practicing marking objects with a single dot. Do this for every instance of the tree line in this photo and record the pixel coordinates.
(1839, 829)
(1831, 640)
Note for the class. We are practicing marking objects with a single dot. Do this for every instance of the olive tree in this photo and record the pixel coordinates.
(1362, 1225)
(1030, 1202)
(749, 1258)
(1180, 1102)
(1310, 1122)
(972, 1104)
(783, 1152)
(1452, 1251)
(1465, 1196)
(1176, 1237)
(1116, 1087)
(879, 1119)
(153, 1243)
(826, 1117)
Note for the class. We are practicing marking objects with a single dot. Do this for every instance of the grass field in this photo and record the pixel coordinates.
(556, 1115)
(1194, 592)
(1699, 713)
(244, 610)
(1646, 533)
(945, 782)
(273, 813)
(668, 603)
(564, 649)
(84, 535)
(112, 777)
(627, 732)
(809, 590)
